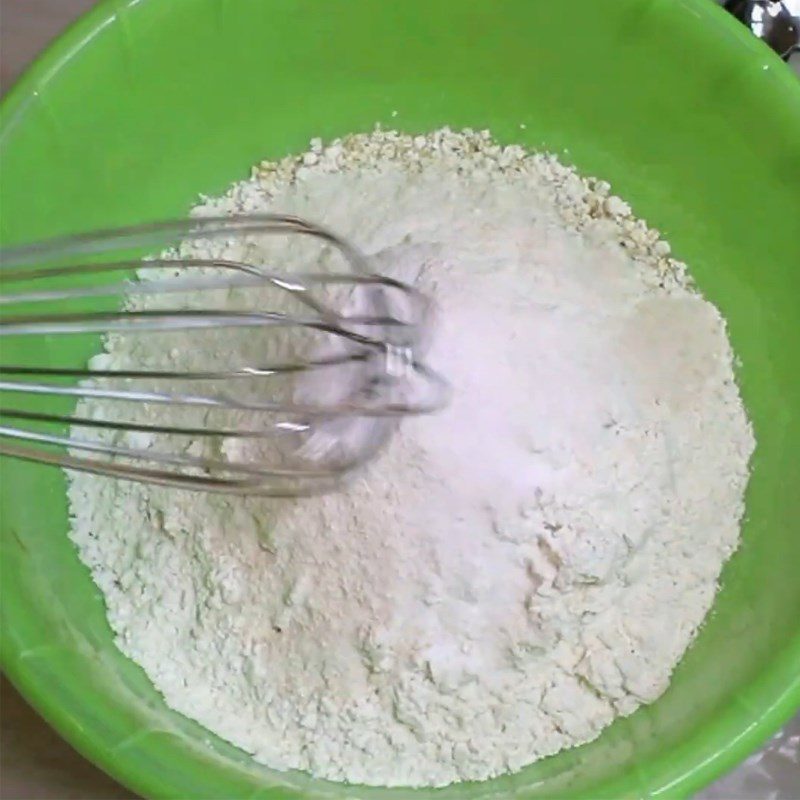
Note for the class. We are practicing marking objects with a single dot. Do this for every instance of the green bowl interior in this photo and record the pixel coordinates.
(143, 105)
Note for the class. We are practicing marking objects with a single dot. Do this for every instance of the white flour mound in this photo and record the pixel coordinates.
(510, 575)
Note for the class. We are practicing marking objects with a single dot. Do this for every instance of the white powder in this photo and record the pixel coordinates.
(510, 575)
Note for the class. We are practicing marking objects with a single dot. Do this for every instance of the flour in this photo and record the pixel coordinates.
(509, 576)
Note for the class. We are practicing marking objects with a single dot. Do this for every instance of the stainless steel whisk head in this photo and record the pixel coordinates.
(289, 423)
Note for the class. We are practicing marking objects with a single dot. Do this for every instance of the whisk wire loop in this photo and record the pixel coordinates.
(366, 373)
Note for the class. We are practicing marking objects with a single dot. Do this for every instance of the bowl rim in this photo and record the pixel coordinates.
(784, 670)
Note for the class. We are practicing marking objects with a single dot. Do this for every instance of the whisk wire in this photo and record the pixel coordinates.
(380, 344)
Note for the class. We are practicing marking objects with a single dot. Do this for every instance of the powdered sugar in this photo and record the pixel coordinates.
(510, 575)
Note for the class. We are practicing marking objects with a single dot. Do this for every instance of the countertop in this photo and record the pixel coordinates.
(35, 763)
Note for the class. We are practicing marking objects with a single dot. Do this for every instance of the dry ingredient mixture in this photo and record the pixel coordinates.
(510, 575)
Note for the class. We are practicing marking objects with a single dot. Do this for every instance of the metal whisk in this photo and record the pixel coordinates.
(293, 423)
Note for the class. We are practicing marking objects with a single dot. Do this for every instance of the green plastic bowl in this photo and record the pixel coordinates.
(143, 104)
